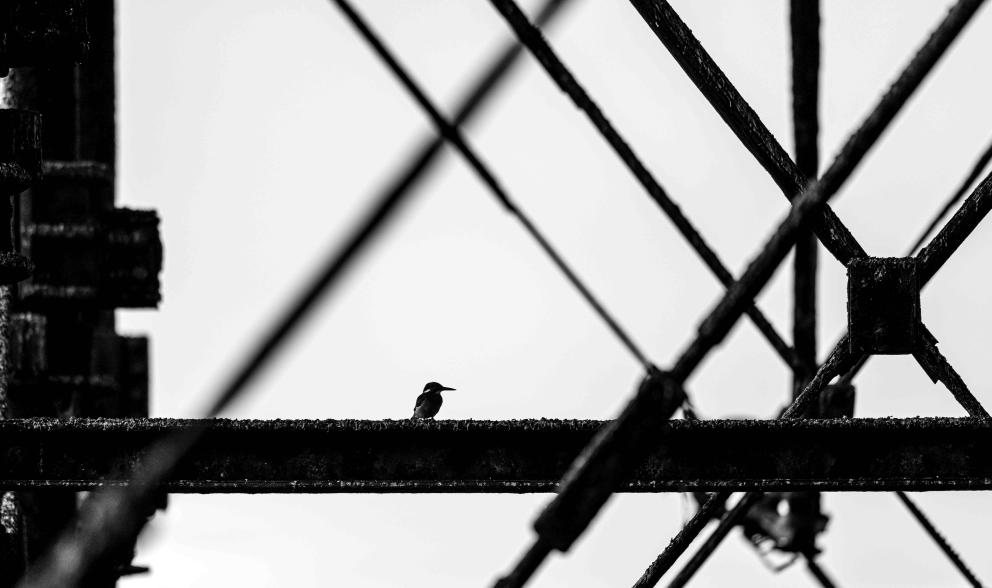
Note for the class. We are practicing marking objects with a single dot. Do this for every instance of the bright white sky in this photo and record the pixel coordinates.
(260, 129)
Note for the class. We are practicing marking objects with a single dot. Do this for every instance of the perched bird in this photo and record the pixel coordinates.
(429, 402)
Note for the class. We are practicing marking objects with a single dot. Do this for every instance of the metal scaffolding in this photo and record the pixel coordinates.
(132, 461)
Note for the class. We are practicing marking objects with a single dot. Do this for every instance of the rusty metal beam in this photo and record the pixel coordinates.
(248, 456)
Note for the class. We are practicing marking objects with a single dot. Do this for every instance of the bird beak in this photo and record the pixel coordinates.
(446, 388)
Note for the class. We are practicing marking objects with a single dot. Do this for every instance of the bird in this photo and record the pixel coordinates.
(429, 401)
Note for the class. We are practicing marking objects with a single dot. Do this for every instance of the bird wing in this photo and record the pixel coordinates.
(420, 401)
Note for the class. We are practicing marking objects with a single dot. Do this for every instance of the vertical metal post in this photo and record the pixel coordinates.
(66, 357)
(804, 25)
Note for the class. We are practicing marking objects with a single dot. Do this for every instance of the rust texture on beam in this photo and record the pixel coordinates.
(501, 456)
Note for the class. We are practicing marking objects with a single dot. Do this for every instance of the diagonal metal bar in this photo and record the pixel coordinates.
(727, 522)
(454, 136)
(742, 120)
(666, 559)
(938, 539)
(598, 471)
(805, 208)
(804, 20)
(532, 38)
(953, 234)
(976, 171)
(817, 572)
(939, 369)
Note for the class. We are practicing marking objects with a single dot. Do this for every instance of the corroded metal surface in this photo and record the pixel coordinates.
(248, 456)
(20, 164)
(606, 464)
(42, 31)
(883, 305)
(66, 357)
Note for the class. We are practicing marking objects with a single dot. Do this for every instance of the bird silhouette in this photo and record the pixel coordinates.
(429, 402)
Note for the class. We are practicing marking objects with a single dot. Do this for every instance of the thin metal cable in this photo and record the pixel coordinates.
(817, 572)
(682, 540)
(939, 369)
(453, 135)
(952, 235)
(976, 171)
(531, 37)
(939, 539)
(727, 522)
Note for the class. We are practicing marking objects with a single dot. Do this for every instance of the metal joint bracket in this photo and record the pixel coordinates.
(883, 305)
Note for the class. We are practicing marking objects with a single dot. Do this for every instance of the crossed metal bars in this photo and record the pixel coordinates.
(584, 489)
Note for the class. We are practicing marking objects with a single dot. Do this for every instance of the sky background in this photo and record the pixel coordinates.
(259, 130)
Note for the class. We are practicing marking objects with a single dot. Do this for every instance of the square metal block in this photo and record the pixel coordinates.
(883, 305)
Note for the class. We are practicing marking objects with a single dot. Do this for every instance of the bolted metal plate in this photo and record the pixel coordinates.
(883, 305)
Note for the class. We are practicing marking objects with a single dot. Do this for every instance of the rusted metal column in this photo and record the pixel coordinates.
(66, 358)
(33, 33)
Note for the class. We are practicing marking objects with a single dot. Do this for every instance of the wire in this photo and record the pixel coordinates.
(727, 522)
(976, 170)
(682, 540)
(964, 221)
(938, 539)
(817, 572)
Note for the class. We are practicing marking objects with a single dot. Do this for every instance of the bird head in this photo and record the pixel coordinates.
(435, 387)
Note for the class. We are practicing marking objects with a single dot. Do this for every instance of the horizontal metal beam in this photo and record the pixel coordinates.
(249, 456)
